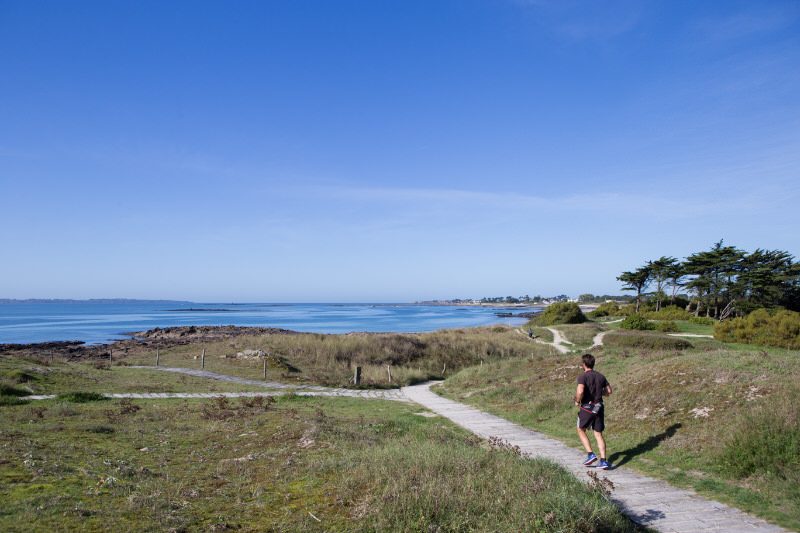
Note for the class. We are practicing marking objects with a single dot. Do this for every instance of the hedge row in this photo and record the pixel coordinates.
(778, 328)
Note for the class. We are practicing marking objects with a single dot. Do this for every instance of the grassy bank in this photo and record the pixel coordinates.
(330, 359)
(722, 419)
(296, 464)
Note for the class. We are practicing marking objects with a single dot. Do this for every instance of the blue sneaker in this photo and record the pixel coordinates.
(604, 465)
(590, 458)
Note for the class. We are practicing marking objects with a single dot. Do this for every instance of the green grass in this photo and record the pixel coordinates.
(684, 326)
(43, 377)
(580, 335)
(82, 397)
(541, 333)
(645, 340)
(744, 453)
(294, 464)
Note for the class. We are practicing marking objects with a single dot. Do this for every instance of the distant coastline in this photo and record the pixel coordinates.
(89, 301)
(200, 310)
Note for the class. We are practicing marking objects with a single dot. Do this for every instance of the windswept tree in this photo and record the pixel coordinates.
(675, 279)
(723, 281)
(660, 271)
(636, 280)
(767, 279)
(713, 274)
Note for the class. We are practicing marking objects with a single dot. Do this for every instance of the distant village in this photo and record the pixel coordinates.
(527, 300)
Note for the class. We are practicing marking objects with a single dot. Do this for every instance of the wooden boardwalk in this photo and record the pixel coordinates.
(647, 501)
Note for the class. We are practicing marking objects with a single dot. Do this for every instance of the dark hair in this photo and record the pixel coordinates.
(588, 360)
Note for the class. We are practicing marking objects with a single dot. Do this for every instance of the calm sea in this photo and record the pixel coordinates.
(97, 322)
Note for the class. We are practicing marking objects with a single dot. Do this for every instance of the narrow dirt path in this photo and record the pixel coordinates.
(647, 501)
(556, 336)
(597, 340)
(276, 389)
(394, 394)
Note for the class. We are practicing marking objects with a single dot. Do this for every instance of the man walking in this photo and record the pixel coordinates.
(592, 386)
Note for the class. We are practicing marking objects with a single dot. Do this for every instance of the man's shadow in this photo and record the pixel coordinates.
(620, 458)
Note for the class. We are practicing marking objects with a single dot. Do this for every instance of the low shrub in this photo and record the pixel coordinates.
(702, 320)
(606, 309)
(770, 445)
(669, 312)
(10, 390)
(637, 322)
(667, 326)
(81, 397)
(645, 340)
(12, 400)
(21, 376)
(100, 430)
(452, 484)
(560, 313)
(780, 328)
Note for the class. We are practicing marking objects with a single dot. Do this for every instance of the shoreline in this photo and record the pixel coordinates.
(170, 337)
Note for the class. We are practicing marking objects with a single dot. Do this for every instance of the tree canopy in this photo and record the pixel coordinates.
(721, 281)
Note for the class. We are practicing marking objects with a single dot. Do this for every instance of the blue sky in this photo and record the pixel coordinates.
(388, 151)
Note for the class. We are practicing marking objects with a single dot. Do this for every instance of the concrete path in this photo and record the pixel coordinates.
(647, 501)
(691, 335)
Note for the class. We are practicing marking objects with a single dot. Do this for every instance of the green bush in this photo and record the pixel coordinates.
(606, 309)
(645, 340)
(667, 326)
(669, 312)
(81, 397)
(702, 320)
(12, 400)
(10, 390)
(638, 322)
(20, 376)
(780, 328)
(560, 313)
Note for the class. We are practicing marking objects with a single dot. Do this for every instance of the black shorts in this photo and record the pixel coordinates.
(587, 419)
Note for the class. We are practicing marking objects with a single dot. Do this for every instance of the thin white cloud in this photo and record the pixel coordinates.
(581, 21)
(680, 206)
(745, 24)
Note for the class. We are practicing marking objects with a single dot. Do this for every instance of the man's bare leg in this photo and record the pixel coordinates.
(585, 440)
(601, 443)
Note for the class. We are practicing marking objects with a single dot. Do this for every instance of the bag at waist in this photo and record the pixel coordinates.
(592, 407)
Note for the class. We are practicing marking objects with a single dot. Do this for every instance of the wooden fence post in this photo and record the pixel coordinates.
(389, 370)
(357, 376)
(265, 369)
(157, 354)
(203, 359)
(110, 357)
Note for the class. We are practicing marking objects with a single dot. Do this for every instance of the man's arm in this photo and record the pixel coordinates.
(579, 394)
(607, 391)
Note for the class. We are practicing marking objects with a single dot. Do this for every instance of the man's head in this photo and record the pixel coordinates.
(588, 360)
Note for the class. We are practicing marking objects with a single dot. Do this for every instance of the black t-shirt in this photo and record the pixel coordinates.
(594, 383)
